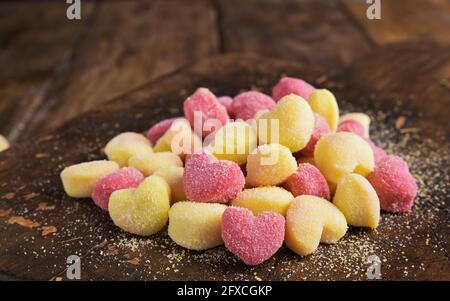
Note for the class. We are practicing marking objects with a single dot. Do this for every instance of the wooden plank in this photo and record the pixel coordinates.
(314, 31)
(129, 43)
(422, 72)
(412, 246)
(36, 40)
(405, 20)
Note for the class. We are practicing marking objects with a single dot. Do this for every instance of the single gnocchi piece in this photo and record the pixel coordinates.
(362, 118)
(270, 164)
(308, 179)
(143, 210)
(311, 220)
(124, 178)
(209, 180)
(342, 153)
(174, 177)
(4, 144)
(212, 115)
(79, 179)
(288, 85)
(149, 163)
(253, 239)
(260, 199)
(289, 123)
(196, 226)
(394, 184)
(358, 201)
(125, 145)
(233, 142)
(323, 102)
(179, 139)
(248, 103)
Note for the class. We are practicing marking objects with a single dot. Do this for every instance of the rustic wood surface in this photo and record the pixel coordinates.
(54, 69)
(411, 246)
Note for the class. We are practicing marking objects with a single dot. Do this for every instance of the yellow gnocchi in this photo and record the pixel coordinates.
(260, 199)
(125, 145)
(358, 201)
(289, 123)
(270, 164)
(311, 220)
(4, 144)
(79, 179)
(342, 153)
(143, 210)
(149, 163)
(323, 102)
(196, 226)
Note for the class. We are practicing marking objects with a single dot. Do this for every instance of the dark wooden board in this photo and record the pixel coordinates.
(36, 45)
(126, 44)
(387, 84)
(314, 31)
(404, 21)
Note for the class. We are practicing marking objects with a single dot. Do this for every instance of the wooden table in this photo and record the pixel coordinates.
(54, 69)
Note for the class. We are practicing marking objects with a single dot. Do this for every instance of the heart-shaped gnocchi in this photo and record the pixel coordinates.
(149, 163)
(290, 123)
(339, 154)
(143, 210)
(358, 201)
(209, 180)
(262, 199)
(311, 220)
(253, 239)
(79, 179)
(196, 226)
(269, 165)
(123, 146)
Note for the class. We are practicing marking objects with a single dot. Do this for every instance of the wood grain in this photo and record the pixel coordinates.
(405, 20)
(425, 73)
(313, 31)
(128, 44)
(411, 246)
(36, 42)
(54, 69)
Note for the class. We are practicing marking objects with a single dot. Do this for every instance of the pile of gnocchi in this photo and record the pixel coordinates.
(250, 172)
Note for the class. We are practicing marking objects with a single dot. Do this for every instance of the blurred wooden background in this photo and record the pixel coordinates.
(53, 68)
